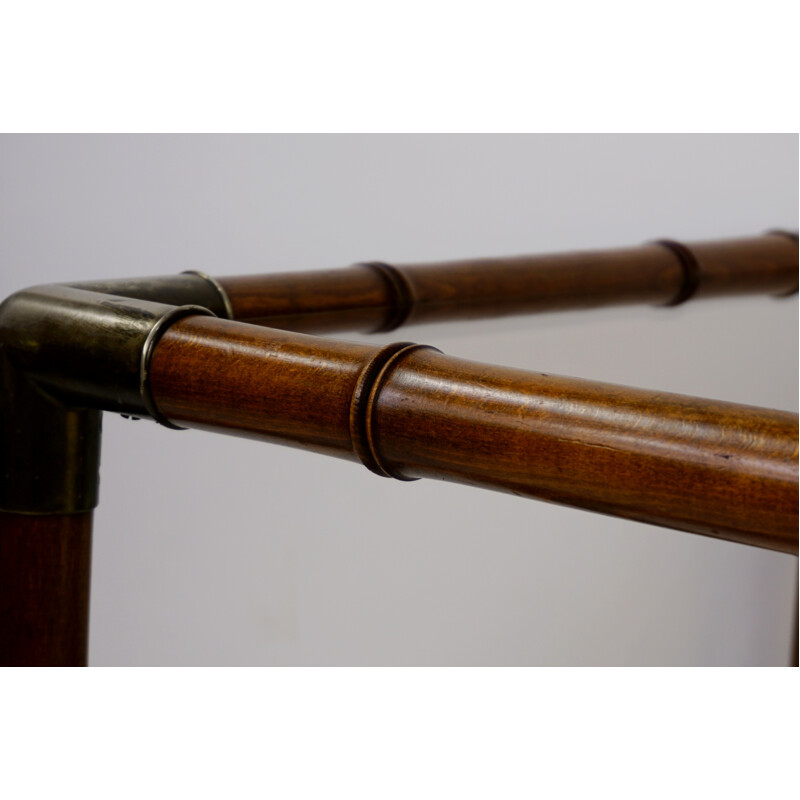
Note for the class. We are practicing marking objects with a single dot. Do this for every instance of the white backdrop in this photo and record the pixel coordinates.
(216, 550)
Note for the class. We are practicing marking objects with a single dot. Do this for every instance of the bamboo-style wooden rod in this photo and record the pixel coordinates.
(379, 297)
(408, 411)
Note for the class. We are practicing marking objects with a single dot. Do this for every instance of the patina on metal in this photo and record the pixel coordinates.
(66, 354)
(187, 288)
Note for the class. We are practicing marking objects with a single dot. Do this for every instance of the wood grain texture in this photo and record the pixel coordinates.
(45, 564)
(697, 465)
(377, 296)
(703, 466)
(320, 301)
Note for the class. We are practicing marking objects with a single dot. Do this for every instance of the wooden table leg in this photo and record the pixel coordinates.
(45, 567)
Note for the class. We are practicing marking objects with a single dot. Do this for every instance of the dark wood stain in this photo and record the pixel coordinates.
(45, 564)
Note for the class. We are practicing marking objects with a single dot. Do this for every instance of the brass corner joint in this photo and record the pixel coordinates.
(67, 353)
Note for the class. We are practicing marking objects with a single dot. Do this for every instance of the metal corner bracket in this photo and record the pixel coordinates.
(67, 353)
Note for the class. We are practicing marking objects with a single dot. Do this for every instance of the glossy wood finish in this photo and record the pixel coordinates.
(354, 298)
(283, 387)
(703, 466)
(745, 266)
(378, 296)
(45, 564)
(696, 465)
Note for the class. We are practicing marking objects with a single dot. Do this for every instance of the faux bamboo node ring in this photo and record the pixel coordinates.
(401, 291)
(362, 406)
(690, 267)
(779, 232)
(793, 237)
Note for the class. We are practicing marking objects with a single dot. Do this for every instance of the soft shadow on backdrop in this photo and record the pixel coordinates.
(215, 550)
